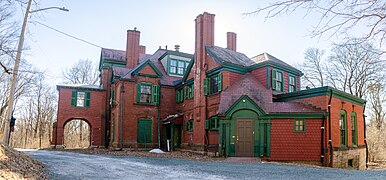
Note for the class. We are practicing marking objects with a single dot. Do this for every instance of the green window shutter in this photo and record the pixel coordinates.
(206, 86)
(144, 134)
(282, 81)
(219, 82)
(274, 79)
(138, 92)
(207, 124)
(155, 93)
(73, 98)
(178, 96)
(87, 99)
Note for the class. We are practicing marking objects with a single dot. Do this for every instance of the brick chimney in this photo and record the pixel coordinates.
(204, 37)
(231, 40)
(132, 48)
(142, 49)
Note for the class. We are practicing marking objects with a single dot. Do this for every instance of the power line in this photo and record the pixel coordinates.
(79, 39)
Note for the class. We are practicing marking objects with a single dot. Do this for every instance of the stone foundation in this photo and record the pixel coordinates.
(350, 158)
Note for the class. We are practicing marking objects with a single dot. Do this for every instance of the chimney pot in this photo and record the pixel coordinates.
(177, 48)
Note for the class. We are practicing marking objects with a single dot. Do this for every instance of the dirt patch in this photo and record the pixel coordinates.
(17, 165)
(380, 165)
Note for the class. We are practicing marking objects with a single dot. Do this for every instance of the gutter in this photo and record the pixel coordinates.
(120, 117)
(329, 128)
(322, 139)
(364, 131)
(159, 116)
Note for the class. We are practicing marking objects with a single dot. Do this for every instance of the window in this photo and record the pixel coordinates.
(144, 134)
(189, 89)
(189, 125)
(212, 123)
(80, 99)
(291, 83)
(213, 84)
(300, 125)
(277, 80)
(147, 93)
(343, 128)
(177, 67)
(180, 95)
(354, 129)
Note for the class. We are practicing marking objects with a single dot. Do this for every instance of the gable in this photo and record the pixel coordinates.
(146, 68)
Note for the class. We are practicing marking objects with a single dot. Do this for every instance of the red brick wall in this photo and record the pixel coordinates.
(147, 70)
(289, 145)
(93, 115)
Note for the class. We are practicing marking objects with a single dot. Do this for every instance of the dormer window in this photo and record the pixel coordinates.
(277, 80)
(177, 67)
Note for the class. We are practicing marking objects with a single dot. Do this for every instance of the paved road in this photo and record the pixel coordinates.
(67, 165)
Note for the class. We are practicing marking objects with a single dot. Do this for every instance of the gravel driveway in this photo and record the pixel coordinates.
(67, 165)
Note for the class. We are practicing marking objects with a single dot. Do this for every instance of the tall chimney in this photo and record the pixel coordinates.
(132, 48)
(142, 49)
(204, 37)
(231, 40)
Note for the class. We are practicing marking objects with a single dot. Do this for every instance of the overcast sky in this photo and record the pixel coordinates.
(161, 23)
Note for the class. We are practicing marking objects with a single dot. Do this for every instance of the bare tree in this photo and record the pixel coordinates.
(313, 68)
(353, 66)
(377, 98)
(82, 72)
(336, 17)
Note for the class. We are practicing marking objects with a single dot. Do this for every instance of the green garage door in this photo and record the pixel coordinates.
(144, 131)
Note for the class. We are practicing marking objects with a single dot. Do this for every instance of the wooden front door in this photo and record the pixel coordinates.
(244, 137)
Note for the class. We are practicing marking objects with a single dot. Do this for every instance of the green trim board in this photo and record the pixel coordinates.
(321, 91)
(245, 102)
(176, 53)
(277, 66)
(147, 62)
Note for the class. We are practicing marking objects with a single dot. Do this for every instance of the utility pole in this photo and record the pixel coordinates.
(14, 76)
(13, 79)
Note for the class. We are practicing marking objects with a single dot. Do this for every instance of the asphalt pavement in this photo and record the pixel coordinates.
(68, 165)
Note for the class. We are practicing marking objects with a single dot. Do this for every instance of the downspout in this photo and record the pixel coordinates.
(322, 138)
(364, 131)
(159, 117)
(329, 128)
(120, 117)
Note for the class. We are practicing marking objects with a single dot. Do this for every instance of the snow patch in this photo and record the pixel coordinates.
(158, 151)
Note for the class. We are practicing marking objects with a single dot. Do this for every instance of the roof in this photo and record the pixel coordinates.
(113, 54)
(291, 107)
(80, 86)
(120, 71)
(222, 55)
(265, 57)
(154, 59)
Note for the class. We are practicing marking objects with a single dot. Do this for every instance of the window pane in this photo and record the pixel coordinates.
(278, 76)
(181, 64)
(173, 63)
(214, 84)
(80, 99)
(180, 70)
(145, 93)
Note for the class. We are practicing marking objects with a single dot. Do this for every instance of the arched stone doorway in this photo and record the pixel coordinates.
(77, 133)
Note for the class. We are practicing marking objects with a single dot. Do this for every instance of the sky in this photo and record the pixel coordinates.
(105, 23)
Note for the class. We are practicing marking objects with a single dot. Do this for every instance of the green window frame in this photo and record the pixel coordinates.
(343, 128)
(144, 131)
(278, 80)
(299, 125)
(80, 99)
(212, 123)
(177, 67)
(189, 125)
(189, 91)
(180, 96)
(213, 84)
(147, 93)
(291, 83)
(354, 127)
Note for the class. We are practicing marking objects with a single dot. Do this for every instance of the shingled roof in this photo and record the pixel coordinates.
(265, 57)
(113, 54)
(222, 55)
